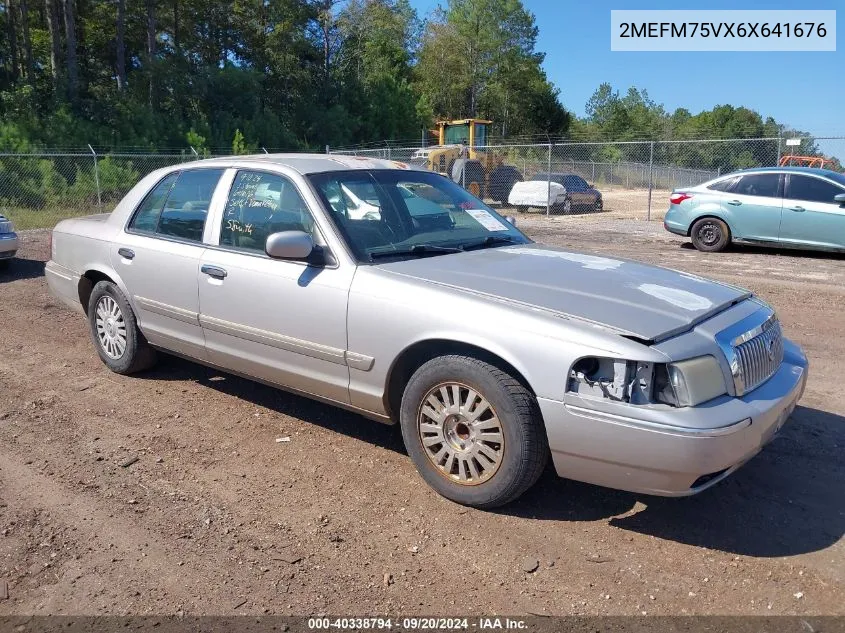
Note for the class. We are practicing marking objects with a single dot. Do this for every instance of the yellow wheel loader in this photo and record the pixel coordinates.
(462, 154)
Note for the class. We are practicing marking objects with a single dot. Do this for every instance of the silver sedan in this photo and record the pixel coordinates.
(434, 312)
(8, 241)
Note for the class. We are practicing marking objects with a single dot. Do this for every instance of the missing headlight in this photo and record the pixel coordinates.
(613, 379)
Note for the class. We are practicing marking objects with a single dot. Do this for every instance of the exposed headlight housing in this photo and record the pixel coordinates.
(683, 384)
(689, 382)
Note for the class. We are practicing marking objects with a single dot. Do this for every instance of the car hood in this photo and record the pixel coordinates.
(647, 302)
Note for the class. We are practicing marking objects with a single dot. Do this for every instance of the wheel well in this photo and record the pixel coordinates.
(86, 285)
(420, 353)
(712, 217)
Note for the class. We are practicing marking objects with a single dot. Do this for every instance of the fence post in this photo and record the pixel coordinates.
(650, 177)
(594, 172)
(96, 176)
(549, 183)
(328, 150)
(779, 150)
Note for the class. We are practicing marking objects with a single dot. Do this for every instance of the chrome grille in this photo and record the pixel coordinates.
(759, 357)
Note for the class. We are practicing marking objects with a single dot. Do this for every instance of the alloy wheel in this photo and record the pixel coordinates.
(111, 327)
(461, 433)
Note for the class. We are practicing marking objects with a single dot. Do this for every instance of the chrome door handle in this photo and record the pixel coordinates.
(214, 271)
(797, 209)
(126, 253)
(735, 203)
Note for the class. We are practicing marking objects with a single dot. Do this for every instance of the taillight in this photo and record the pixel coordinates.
(678, 198)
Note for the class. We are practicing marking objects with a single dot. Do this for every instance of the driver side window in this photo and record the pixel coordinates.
(259, 205)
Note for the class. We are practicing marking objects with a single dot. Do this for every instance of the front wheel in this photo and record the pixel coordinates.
(710, 235)
(473, 431)
(116, 336)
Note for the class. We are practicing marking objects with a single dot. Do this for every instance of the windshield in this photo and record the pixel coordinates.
(409, 213)
(457, 134)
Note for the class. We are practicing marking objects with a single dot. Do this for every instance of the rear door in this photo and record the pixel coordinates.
(753, 205)
(810, 215)
(158, 256)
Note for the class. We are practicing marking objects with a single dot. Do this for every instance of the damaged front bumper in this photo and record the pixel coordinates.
(624, 447)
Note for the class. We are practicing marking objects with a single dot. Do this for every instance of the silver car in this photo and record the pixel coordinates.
(8, 241)
(492, 352)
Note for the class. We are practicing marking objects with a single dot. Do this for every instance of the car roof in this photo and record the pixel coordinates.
(305, 163)
(556, 173)
(795, 170)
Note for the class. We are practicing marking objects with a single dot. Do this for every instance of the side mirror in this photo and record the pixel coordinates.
(840, 198)
(511, 219)
(289, 245)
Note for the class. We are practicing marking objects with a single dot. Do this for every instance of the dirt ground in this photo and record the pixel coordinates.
(217, 517)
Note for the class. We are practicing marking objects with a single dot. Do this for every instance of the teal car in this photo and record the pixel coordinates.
(796, 207)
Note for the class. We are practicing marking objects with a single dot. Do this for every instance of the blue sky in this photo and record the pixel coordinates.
(804, 90)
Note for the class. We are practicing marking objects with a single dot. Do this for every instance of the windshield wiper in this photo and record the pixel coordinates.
(490, 240)
(419, 250)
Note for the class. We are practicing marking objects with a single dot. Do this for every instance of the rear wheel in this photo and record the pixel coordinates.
(115, 332)
(564, 207)
(710, 235)
(473, 431)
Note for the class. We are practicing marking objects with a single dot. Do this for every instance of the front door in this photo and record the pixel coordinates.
(158, 255)
(279, 321)
(811, 217)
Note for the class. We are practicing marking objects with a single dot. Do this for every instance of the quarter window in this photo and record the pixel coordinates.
(763, 185)
(147, 215)
(723, 185)
(186, 207)
(259, 205)
(811, 189)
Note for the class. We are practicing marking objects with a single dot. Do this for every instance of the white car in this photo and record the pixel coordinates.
(536, 193)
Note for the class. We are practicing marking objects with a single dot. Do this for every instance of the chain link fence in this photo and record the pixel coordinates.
(623, 179)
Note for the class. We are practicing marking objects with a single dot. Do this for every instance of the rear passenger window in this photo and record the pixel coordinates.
(723, 185)
(185, 209)
(812, 189)
(765, 185)
(259, 205)
(147, 215)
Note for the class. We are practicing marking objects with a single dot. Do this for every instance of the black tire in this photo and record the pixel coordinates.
(524, 449)
(137, 354)
(564, 207)
(598, 205)
(502, 179)
(521, 208)
(710, 235)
